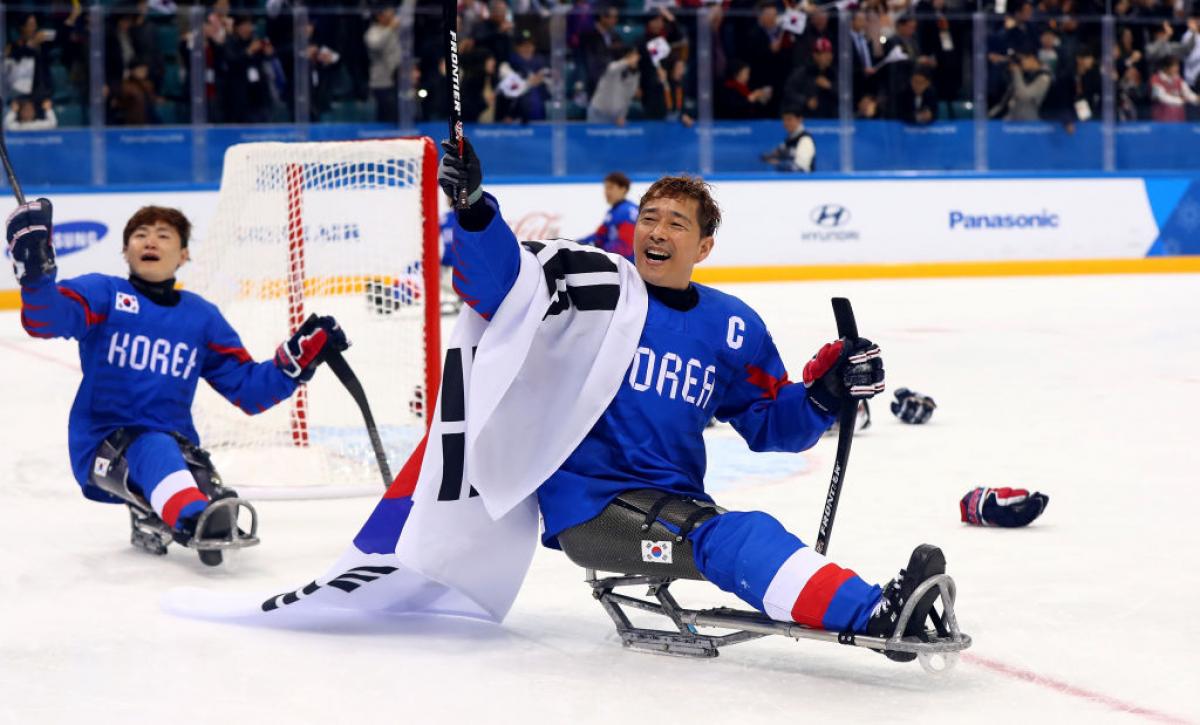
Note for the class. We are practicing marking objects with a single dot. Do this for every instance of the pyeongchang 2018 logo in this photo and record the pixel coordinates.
(71, 237)
(829, 223)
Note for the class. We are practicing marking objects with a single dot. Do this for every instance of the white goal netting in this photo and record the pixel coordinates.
(347, 229)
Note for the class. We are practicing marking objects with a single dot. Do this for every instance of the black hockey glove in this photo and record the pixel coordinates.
(1007, 507)
(30, 233)
(465, 173)
(843, 370)
(301, 354)
(912, 407)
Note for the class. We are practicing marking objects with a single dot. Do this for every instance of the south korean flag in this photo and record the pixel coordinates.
(127, 303)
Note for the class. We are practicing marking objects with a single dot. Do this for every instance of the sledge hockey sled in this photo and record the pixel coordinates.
(148, 532)
(613, 541)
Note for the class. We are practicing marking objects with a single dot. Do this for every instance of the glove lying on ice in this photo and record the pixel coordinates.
(912, 407)
(299, 356)
(1008, 507)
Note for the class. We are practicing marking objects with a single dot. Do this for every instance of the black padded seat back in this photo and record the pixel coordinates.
(616, 541)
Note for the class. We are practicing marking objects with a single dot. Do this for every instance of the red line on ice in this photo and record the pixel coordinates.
(1069, 689)
(39, 355)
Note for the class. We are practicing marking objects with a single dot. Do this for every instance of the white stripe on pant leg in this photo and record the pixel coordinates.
(789, 581)
(168, 487)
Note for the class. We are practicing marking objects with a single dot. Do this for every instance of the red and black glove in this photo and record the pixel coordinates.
(843, 370)
(301, 354)
(1008, 507)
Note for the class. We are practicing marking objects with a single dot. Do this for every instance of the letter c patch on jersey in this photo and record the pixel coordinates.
(737, 333)
(127, 303)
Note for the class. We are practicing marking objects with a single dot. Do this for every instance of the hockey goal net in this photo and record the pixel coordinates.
(347, 229)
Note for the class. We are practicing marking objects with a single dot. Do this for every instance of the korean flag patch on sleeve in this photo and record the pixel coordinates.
(127, 303)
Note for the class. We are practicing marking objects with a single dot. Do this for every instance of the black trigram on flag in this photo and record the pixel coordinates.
(583, 277)
(347, 581)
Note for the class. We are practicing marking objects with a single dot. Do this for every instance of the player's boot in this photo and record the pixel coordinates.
(926, 561)
(218, 525)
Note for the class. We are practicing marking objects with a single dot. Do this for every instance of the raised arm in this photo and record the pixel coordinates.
(486, 254)
(49, 309)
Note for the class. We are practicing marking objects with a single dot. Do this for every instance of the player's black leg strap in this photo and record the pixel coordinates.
(621, 537)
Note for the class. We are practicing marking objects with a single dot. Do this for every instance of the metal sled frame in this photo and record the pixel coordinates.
(946, 641)
(151, 533)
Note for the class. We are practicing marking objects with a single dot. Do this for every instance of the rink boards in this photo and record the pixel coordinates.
(777, 229)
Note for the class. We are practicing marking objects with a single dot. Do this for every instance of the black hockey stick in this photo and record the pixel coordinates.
(342, 370)
(454, 86)
(847, 330)
(8, 169)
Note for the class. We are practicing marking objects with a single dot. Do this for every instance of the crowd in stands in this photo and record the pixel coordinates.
(909, 60)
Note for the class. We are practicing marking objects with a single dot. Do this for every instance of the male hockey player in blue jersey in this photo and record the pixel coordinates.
(143, 346)
(638, 476)
(615, 233)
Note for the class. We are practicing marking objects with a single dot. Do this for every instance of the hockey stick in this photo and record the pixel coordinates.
(342, 370)
(847, 330)
(454, 86)
(8, 169)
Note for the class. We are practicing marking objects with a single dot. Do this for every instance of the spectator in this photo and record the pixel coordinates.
(902, 55)
(866, 54)
(816, 28)
(798, 152)
(22, 116)
(384, 53)
(1191, 63)
(735, 99)
(1161, 46)
(1030, 84)
(814, 86)
(1170, 95)
(245, 95)
(942, 39)
(523, 84)
(918, 103)
(135, 101)
(867, 108)
(615, 91)
(495, 34)
(661, 47)
(769, 51)
(598, 46)
(27, 61)
(1075, 95)
(1048, 53)
(1133, 100)
(479, 87)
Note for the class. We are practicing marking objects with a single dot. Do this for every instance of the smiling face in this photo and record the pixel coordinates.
(668, 241)
(155, 251)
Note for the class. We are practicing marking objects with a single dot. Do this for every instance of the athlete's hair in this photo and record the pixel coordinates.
(148, 215)
(688, 187)
(617, 178)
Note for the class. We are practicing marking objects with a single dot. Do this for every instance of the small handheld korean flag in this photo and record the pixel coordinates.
(794, 21)
(512, 85)
(659, 49)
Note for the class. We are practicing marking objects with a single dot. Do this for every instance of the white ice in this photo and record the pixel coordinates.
(1084, 388)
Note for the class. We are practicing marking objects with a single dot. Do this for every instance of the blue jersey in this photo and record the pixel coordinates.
(141, 360)
(615, 233)
(713, 358)
(446, 231)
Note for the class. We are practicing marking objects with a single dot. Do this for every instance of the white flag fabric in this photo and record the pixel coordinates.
(794, 21)
(455, 532)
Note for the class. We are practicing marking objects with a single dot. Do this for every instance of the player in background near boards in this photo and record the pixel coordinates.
(143, 347)
(702, 353)
(615, 233)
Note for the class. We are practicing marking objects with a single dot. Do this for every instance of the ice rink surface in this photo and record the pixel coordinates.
(1084, 388)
